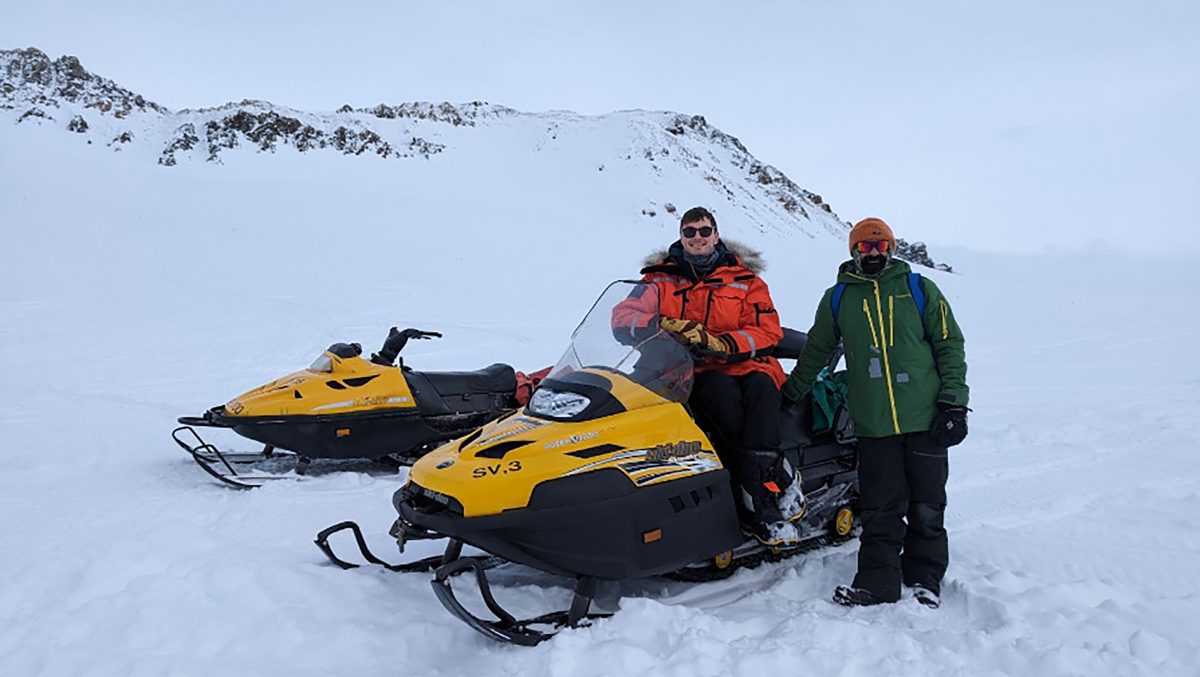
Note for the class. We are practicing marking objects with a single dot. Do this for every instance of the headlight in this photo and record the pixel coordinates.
(557, 404)
(321, 364)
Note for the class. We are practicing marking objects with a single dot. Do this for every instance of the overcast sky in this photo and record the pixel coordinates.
(1021, 124)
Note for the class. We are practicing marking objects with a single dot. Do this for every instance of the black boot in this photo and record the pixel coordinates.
(849, 596)
(927, 596)
(762, 478)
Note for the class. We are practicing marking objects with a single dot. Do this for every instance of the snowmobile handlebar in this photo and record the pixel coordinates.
(417, 333)
(395, 342)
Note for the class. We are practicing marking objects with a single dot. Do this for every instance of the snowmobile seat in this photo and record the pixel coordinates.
(497, 378)
(821, 453)
(795, 425)
(790, 346)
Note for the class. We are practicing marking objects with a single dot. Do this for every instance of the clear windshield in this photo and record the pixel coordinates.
(621, 334)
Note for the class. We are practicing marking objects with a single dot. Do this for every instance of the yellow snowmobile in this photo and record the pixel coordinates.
(345, 407)
(604, 475)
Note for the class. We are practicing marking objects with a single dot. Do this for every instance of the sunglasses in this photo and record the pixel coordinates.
(702, 231)
(880, 246)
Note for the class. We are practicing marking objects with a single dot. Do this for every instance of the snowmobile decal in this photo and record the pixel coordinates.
(497, 469)
(646, 479)
(664, 452)
(573, 439)
(637, 470)
(596, 464)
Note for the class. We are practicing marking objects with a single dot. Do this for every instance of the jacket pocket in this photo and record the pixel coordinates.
(725, 309)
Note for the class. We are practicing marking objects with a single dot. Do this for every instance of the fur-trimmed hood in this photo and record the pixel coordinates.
(750, 257)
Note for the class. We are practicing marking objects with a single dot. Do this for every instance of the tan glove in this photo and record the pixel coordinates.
(693, 333)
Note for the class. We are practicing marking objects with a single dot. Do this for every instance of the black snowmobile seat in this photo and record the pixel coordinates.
(791, 345)
(497, 378)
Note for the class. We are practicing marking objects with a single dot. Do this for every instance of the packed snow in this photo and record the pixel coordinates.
(133, 293)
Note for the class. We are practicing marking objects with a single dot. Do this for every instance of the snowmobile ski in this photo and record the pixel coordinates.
(402, 534)
(322, 541)
(220, 465)
(506, 627)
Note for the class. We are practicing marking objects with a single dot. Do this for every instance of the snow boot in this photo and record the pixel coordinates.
(791, 497)
(778, 535)
(771, 487)
(850, 596)
(772, 496)
(927, 596)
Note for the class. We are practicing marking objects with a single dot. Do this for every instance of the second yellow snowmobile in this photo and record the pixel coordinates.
(346, 407)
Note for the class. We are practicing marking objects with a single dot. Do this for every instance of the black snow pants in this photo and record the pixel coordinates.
(902, 477)
(742, 415)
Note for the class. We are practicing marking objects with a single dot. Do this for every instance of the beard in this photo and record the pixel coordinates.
(873, 265)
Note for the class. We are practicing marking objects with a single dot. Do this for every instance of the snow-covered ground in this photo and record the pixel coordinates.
(131, 294)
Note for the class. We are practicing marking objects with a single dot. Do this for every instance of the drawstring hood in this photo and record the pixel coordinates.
(674, 260)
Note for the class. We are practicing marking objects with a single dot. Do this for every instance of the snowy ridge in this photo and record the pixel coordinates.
(63, 94)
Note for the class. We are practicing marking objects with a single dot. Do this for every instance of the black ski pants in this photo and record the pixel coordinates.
(742, 414)
(902, 477)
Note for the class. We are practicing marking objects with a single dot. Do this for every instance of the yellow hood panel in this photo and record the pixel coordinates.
(499, 468)
(354, 385)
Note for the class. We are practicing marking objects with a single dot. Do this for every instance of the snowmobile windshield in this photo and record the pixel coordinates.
(621, 334)
(321, 364)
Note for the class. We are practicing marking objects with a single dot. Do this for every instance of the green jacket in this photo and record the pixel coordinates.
(899, 365)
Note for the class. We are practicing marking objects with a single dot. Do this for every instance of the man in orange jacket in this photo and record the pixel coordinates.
(710, 297)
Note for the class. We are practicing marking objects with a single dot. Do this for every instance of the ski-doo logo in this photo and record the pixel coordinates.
(234, 407)
(666, 452)
(573, 439)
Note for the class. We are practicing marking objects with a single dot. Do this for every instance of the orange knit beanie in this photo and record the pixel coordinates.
(870, 229)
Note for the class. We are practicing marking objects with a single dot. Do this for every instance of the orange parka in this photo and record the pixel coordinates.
(732, 302)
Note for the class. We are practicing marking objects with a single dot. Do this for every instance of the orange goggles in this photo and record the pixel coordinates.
(866, 246)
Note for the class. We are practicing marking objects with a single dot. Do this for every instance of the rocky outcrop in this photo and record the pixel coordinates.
(460, 115)
(268, 129)
(792, 198)
(917, 253)
(183, 140)
(34, 113)
(29, 77)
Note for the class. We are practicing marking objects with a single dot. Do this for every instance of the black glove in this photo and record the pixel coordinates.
(950, 425)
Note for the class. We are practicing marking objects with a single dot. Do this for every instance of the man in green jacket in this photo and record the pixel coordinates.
(907, 391)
